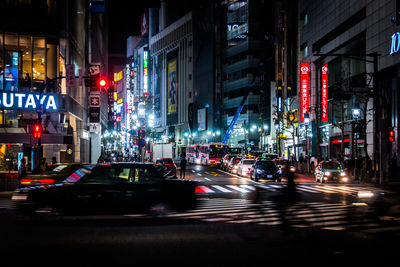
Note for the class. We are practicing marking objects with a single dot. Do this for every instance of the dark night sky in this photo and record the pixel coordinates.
(124, 20)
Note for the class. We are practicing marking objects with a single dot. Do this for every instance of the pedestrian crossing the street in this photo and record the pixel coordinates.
(326, 216)
(309, 188)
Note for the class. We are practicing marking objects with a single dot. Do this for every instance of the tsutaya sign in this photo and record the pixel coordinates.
(29, 101)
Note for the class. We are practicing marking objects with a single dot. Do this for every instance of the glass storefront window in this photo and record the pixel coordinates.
(1, 64)
(11, 61)
(62, 74)
(38, 61)
(26, 62)
(25, 48)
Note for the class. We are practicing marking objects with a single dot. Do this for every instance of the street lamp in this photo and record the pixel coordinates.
(356, 115)
(277, 131)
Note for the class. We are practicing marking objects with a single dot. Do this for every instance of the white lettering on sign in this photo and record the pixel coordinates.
(395, 43)
(22, 100)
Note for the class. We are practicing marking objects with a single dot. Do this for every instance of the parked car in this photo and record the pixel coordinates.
(327, 171)
(55, 173)
(112, 188)
(233, 165)
(169, 166)
(265, 170)
(225, 161)
(244, 166)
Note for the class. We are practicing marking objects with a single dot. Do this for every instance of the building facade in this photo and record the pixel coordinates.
(351, 50)
(248, 69)
(39, 42)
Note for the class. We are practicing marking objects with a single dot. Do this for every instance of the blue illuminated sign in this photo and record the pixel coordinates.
(395, 43)
(29, 101)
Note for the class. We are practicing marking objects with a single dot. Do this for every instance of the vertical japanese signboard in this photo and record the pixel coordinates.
(324, 96)
(172, 86)
(304, 85)
(145, 71)
(70, 74)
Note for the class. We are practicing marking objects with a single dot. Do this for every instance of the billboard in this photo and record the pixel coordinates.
(172, 86)
(304, 91)
(324, 95)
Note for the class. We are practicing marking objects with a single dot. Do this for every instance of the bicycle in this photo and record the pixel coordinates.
(283, 209)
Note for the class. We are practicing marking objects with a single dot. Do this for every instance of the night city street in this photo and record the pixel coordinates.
(210, 132)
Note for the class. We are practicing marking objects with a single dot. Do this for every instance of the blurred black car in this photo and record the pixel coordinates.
(55, 173)
(286, 167)
(169, 166)
(265, 170)
(116, 188)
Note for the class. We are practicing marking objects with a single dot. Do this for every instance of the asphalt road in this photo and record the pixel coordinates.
(215, 234)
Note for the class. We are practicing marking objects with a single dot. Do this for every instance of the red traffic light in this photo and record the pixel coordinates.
(391, 136)
(37, 131)
(102, 82)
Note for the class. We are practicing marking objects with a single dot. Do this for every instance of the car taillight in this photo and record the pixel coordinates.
(47, 181)
(26, 181)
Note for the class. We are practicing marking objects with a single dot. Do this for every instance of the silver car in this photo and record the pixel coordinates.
(244, 167)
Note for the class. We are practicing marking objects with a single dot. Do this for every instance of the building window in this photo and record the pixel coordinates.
(11, 62)
(25, 48)
(303, 19)
(38, 60)
(304, 50)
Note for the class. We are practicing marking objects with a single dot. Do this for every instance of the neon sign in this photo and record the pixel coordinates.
(145, 71)
(304, 85)
(395, 43)
(324, 99)
(30, 101)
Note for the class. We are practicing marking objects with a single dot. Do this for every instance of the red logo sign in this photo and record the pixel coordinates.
(95, 101)
(324, 97)
(304, 88)
(144, 27)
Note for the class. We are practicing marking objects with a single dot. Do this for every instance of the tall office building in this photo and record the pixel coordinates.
(248, 69)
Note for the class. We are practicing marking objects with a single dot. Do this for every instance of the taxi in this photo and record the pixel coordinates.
(330, 171)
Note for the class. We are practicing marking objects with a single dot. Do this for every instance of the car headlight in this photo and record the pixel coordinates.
(327, 173)
(345, 179)
(235, 167)
(292, 169)
(259, 171)
(342, 174)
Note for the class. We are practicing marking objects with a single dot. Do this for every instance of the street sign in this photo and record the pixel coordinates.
(94, 114)
(94, 69)
(95, 101)
(70, 74)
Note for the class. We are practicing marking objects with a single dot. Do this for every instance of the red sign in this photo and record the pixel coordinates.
(324, 93)
(144, 27)
(304, 88)
(94, 101)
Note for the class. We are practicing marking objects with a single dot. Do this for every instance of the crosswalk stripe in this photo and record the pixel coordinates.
(251, 188)
(329, 216)
(234, 187)
(307, 189)
(325, 190)
(310, 188)
(220, 188)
